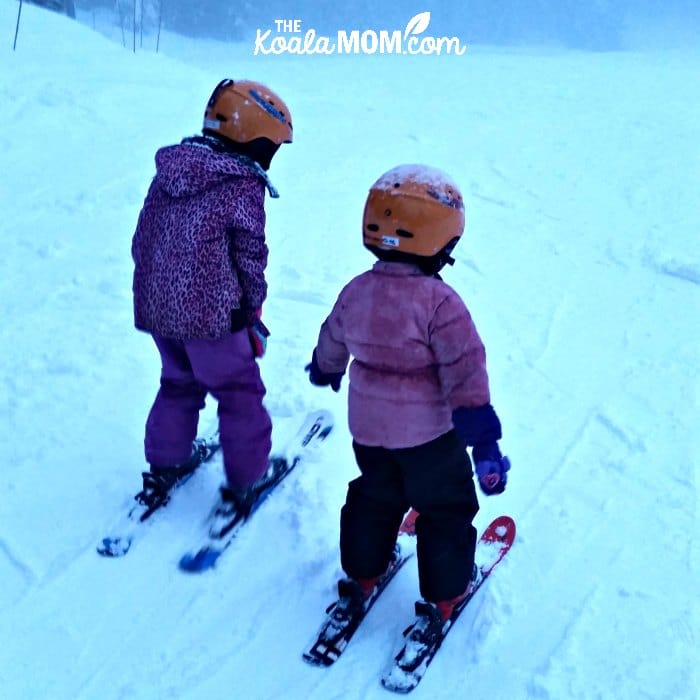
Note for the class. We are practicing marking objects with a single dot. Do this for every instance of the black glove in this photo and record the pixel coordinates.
(319, 378)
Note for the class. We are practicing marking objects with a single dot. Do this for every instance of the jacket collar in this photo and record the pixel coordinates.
(397, 269)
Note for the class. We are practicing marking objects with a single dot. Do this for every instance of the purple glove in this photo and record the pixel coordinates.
(491, 468)
(319, 378)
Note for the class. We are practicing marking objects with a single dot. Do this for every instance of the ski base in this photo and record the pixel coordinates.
(412, 661)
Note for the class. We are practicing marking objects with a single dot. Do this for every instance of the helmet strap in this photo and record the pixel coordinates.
(428, 265)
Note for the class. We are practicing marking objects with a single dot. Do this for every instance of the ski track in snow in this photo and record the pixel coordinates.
(579, 263)
(678, 269)
(17, 575)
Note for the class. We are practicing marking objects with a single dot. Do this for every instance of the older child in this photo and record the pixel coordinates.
(199, 285)
(418, 394)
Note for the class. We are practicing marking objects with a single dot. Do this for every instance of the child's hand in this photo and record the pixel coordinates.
(258, 334)
(491, 468)
(319, 378)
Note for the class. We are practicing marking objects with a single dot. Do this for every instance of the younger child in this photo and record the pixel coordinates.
(419, 393)
(199, 285)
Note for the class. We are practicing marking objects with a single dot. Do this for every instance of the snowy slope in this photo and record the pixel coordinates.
(580, 264)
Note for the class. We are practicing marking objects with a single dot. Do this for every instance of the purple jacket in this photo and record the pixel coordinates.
(417, 355)
(199, 248)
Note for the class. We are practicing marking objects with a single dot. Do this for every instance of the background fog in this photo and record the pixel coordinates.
(600, 25)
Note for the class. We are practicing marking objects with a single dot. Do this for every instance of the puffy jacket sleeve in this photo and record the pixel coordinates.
(248, 247)
(459, 354)
(332, 353)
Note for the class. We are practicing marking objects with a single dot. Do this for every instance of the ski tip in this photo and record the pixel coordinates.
(317, 659)
(321, 414)
(325, 422)
(402, 688)
(408, 526)
(502, 530)
(113, 547)
(312, 433)
(203, 560)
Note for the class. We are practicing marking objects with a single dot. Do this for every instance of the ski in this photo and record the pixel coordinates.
(341, 623)
(126, 531)
(425, 636)
(223, 529)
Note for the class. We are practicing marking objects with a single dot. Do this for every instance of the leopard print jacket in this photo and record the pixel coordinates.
(199, 248)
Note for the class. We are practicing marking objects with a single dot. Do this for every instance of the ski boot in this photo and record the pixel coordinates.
(234, 505)
(159, 480)
(354, 599)
(446, 607)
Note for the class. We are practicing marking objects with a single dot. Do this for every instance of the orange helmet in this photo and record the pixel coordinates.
(243, 110)
(415, 210)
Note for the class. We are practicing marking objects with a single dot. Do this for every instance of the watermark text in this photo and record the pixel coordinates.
(289, 37)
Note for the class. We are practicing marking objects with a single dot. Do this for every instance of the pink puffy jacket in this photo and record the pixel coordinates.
(417, 355)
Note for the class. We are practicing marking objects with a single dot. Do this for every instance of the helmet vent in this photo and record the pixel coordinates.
(373, 227)
(397, 184)
(221, 117)
(450, 199)
(268, 106)
(403, 233)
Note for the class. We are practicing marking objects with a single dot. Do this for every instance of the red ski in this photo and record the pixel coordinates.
(426, 635)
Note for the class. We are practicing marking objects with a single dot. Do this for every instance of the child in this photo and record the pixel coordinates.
(199, 285)
(418, 394)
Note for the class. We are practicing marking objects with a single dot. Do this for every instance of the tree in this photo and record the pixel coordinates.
(66, 7)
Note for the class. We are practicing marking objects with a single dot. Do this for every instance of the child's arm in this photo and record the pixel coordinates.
(459, 355)
(462, 368)
(331, 356)
(249, 250)
(331, 352)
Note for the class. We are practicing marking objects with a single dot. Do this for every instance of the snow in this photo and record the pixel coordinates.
(418, 172)
(580, 264)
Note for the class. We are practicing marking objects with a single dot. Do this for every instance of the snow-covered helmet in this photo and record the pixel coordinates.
(243, 110)
(414, 211)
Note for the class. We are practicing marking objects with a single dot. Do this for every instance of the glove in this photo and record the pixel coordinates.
(319, 378)
(491, 468)
(257, 330)
(258, 334)
(477, 424)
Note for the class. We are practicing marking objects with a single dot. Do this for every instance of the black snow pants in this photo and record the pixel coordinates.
(434, 478)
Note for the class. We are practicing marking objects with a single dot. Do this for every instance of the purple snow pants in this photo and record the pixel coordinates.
(226, 369)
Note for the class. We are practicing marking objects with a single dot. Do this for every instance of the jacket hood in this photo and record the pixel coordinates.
(188, 169)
